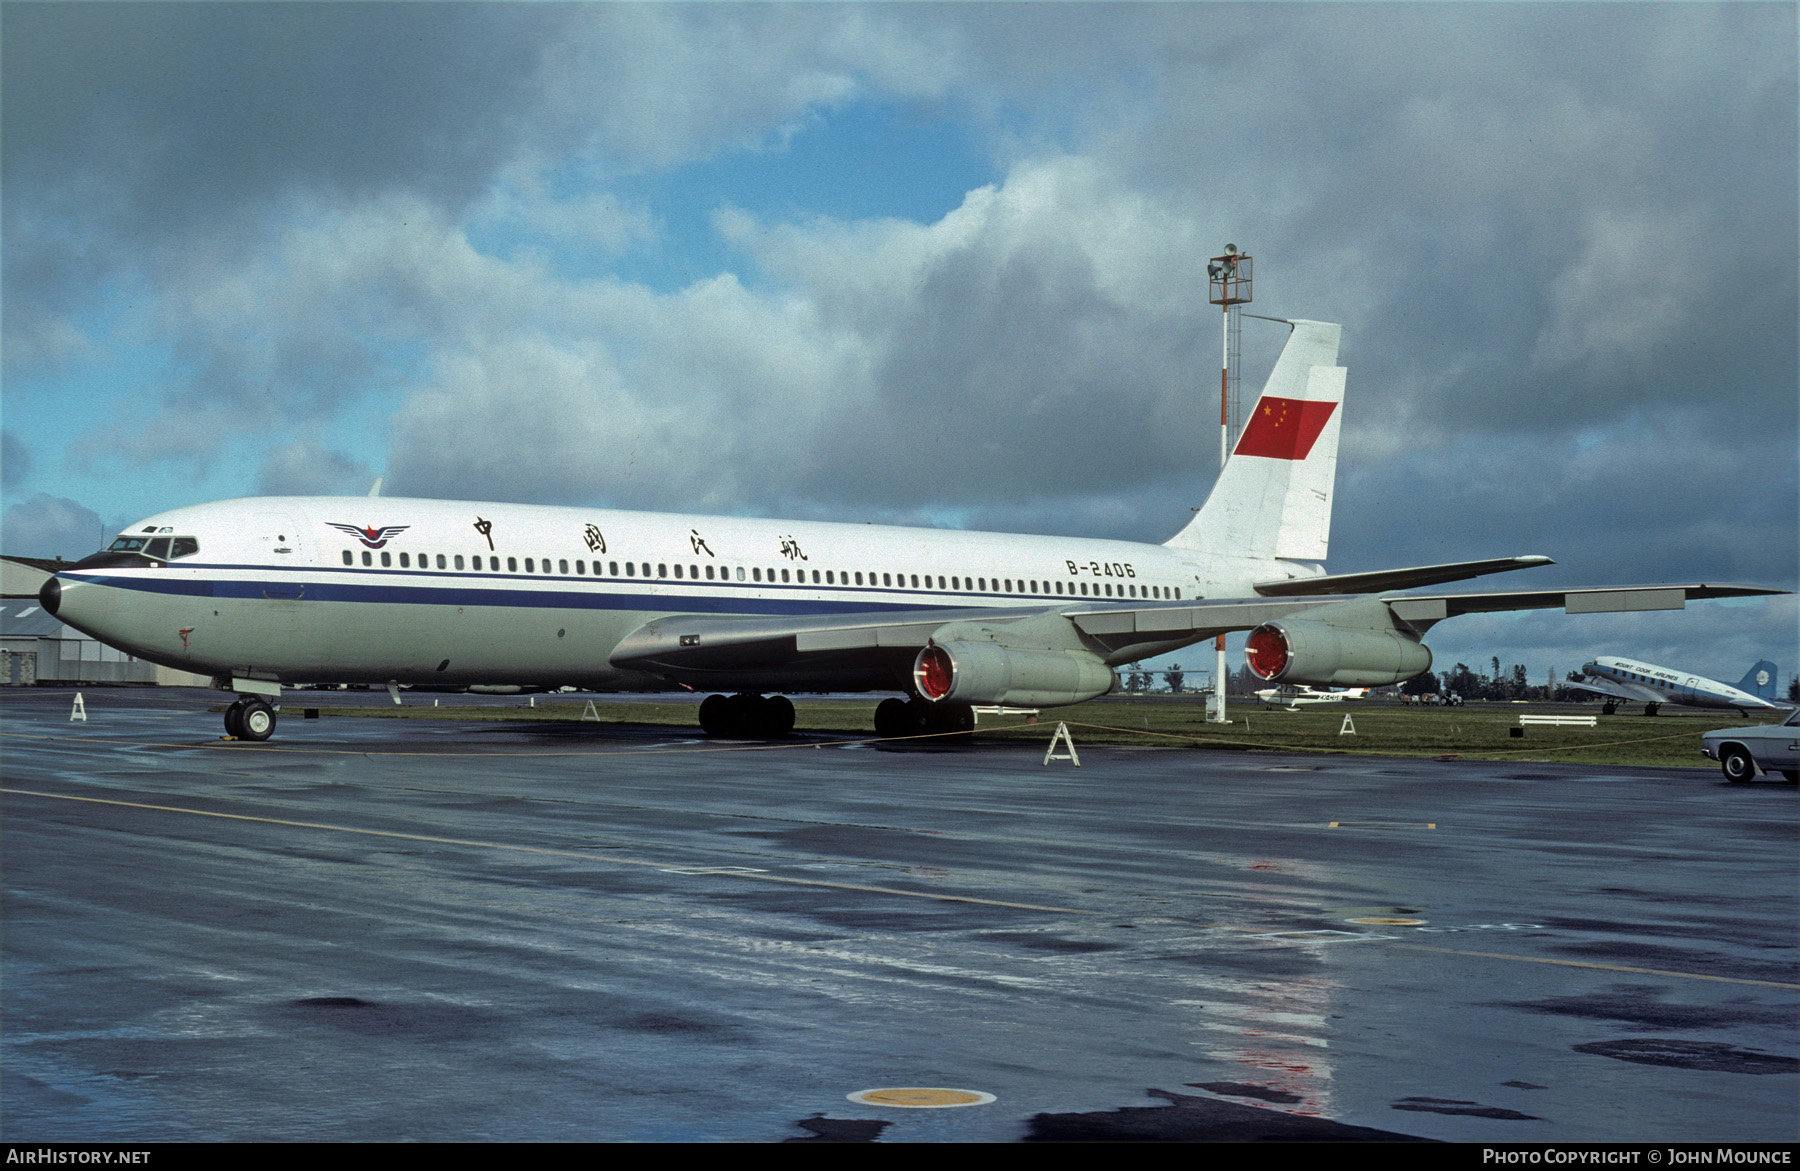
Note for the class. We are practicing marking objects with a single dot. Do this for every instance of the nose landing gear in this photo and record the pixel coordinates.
(249, 719)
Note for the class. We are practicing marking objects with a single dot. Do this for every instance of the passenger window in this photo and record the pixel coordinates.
(386, 559)
(405, 561)
(815, 577)
(348, 560)
(661, 570)
(528, 568)
(630, 569)
(784, 575)
(612, 566)
(646, 569)
(756, 572)
(512, 565)
(458, 562)
(581, 568)
(562, 567)
(740, 573)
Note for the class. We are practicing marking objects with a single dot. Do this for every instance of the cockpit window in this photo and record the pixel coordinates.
(158, 548)
(126, 545)
(183, 547)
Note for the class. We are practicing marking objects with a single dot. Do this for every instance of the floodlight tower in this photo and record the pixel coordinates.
(1229, 283)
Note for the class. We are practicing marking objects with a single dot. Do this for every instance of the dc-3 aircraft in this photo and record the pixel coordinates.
(262, 593)
(1653, 686)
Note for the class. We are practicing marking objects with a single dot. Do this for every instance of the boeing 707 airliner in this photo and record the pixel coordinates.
(262, 593)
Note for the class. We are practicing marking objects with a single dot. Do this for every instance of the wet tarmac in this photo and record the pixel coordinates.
(396, 930)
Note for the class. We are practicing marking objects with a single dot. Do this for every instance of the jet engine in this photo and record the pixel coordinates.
(984, 672)
(1299, 651)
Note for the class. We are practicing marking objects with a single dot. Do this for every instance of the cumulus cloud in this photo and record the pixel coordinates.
(15, 460)
(51, 526)
(303, 468)
(1562, 239)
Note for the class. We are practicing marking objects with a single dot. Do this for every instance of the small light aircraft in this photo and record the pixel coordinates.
(1294, 698)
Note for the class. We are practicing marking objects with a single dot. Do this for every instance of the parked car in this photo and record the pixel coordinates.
(1773, 748)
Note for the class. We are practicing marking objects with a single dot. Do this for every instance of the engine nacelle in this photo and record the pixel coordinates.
(1297, 651)
(982, 672)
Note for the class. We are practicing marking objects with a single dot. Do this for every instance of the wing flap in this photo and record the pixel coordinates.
(1586, 600)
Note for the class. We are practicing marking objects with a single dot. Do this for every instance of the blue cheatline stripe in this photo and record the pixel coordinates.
(350, 571)
(460, 595)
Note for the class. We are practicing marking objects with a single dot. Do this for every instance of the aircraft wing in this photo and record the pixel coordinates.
(1614, 689)
(1382, 580)
(1424, 611)
(706, 647)
(708, 642)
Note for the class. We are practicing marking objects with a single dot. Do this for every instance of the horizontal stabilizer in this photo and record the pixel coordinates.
(1377, 581)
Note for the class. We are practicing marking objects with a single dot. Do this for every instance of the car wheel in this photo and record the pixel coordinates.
(1737, 765)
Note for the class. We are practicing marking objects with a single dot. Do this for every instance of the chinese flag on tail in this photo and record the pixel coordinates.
(1284, 428)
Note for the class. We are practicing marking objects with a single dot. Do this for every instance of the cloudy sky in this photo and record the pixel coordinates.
(924, 264)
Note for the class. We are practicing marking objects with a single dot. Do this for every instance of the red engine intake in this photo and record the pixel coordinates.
(1266, 652)
(934, 672)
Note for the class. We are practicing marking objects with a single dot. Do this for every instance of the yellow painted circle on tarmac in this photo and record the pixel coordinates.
(920, 1097)
(1380, 922)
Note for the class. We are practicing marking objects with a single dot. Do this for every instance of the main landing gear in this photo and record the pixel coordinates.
(915, 717)
(747, 716)
(249, 719)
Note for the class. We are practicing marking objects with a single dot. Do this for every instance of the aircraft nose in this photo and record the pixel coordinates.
(50, 595)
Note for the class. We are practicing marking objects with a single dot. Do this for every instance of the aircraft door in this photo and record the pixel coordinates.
(279, 545)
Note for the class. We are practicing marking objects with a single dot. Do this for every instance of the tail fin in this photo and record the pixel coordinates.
(1273, 497)
(1760, 682)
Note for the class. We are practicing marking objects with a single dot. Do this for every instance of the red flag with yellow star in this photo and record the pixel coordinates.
(1284, 428)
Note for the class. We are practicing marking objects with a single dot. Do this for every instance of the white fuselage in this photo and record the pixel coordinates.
(361, 589)
(1649, 683)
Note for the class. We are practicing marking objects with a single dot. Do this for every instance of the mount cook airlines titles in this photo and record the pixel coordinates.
(267, 592)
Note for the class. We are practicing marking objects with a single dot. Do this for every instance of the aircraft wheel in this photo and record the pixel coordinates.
(893, 718)
(1650, 709)
(955, 718)
(1737, 765)
(1607, 709)
(234, 716)
(712, 715)
(775, 716)
(257, 720)
(740, 715)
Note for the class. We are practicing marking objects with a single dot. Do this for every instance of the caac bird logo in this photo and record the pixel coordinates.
(372, 538)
